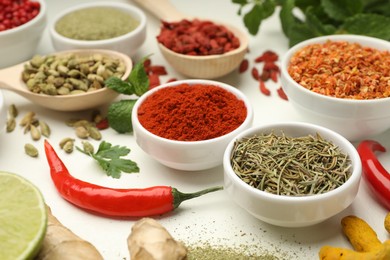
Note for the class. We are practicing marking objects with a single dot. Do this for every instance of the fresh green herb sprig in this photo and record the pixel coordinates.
(110, 159)
(119, 113)
(305, 19)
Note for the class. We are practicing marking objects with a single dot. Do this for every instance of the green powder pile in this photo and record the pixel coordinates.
(208, 252)
(96, 23)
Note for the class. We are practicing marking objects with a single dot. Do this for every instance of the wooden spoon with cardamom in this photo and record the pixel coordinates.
(11, 79)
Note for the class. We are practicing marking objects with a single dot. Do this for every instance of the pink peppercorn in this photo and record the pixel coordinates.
(15, 13)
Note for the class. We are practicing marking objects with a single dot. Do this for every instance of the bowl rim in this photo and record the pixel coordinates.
(95, 43)
(227, 87)
(360, 39)
(41, 15)
(347, 147)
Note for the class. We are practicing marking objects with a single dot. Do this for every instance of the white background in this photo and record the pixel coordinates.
(213, 218)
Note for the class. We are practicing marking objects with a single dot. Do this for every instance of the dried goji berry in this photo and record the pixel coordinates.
(243, 66)
(157, 69)
(154, 80)
(282, 94)
(267, 56)
(171, 80)
(263, 88)
(274, 76)
(255, 73)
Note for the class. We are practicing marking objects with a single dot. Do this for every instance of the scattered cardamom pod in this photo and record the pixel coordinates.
(64, 141)
(27, 119)
(12, 111)
(68, 146)
(31, 150)
(82, 132)
(35, 133)
(94, 133)
(88, 147)
(45, 129)
(11, 124)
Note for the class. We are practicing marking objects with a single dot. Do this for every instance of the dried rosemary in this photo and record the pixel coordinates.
(292, 166)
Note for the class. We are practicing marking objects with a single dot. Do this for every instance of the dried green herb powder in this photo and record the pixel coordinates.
(96, 23)
(208, 252)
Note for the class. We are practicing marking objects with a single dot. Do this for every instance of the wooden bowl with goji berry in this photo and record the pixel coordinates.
(197, 47)
(340, 82)
(21, 27)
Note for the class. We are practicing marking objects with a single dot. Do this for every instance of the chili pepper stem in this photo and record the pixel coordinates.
(179, 197)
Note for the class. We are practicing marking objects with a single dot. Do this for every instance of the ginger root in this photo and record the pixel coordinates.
(363, 239)
(62, 243)
(387, 222)
(149, 240)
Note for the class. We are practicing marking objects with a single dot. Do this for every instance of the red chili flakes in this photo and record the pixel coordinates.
(197, 37)
(16, 13)
(343, 70)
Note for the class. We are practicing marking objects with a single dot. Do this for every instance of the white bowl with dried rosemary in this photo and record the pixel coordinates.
(291, 174)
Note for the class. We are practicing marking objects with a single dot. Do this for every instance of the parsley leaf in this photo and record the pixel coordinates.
(109, 159)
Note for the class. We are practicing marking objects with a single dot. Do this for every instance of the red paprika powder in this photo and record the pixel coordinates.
(191, 112)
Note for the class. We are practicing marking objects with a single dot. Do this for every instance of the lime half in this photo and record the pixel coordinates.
(23, 218)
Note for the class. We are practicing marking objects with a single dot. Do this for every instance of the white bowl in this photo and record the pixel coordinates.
(354, 119)
(20, 43)
(128, 43)
(290, 211)
(187, 155)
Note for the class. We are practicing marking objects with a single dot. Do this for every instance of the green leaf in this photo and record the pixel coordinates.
(374, 25)
(119, 115)
(119, 85)
(316, 25)
(138, 78)
(300, 32)
(377, 6)
(259, 12)
(106, 150)
(342, 9)
(286, 16)
(109, 159)
(240, 2)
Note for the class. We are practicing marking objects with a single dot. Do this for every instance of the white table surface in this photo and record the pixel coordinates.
(213, 218)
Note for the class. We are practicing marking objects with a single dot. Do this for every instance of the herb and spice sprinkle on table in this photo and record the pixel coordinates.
(343, 70)
(192, 112)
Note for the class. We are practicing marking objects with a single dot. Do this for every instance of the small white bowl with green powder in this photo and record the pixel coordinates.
(100, 25)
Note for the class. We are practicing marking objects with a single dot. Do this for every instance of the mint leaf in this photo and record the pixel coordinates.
(119, 85)
(316, 25)
(138, 78)
(342, 9)
(257, 14)
(374, 25)
(300, 32)
(286, 16)
(119, 115)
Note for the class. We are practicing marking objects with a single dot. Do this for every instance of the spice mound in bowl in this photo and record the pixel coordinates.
(340, 82)
(187, 124)
(104, 25)
(21, 28)
(291, 174)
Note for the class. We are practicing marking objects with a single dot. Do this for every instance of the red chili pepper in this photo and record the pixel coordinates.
(378, 179)
(145, 202)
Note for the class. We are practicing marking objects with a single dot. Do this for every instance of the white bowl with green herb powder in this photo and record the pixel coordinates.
(100, 25)
(291, 174)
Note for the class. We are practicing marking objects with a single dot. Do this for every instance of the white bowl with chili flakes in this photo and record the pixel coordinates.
(277, 173)
(341, 82)
(21, 32)
(187, 124)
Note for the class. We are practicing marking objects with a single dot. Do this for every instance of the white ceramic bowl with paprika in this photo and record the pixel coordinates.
(355, 119)
(127, 43)
(189, 155)
(290, 210)
(20, 43)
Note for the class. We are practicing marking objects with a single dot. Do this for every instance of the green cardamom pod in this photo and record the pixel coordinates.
(30, 150)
